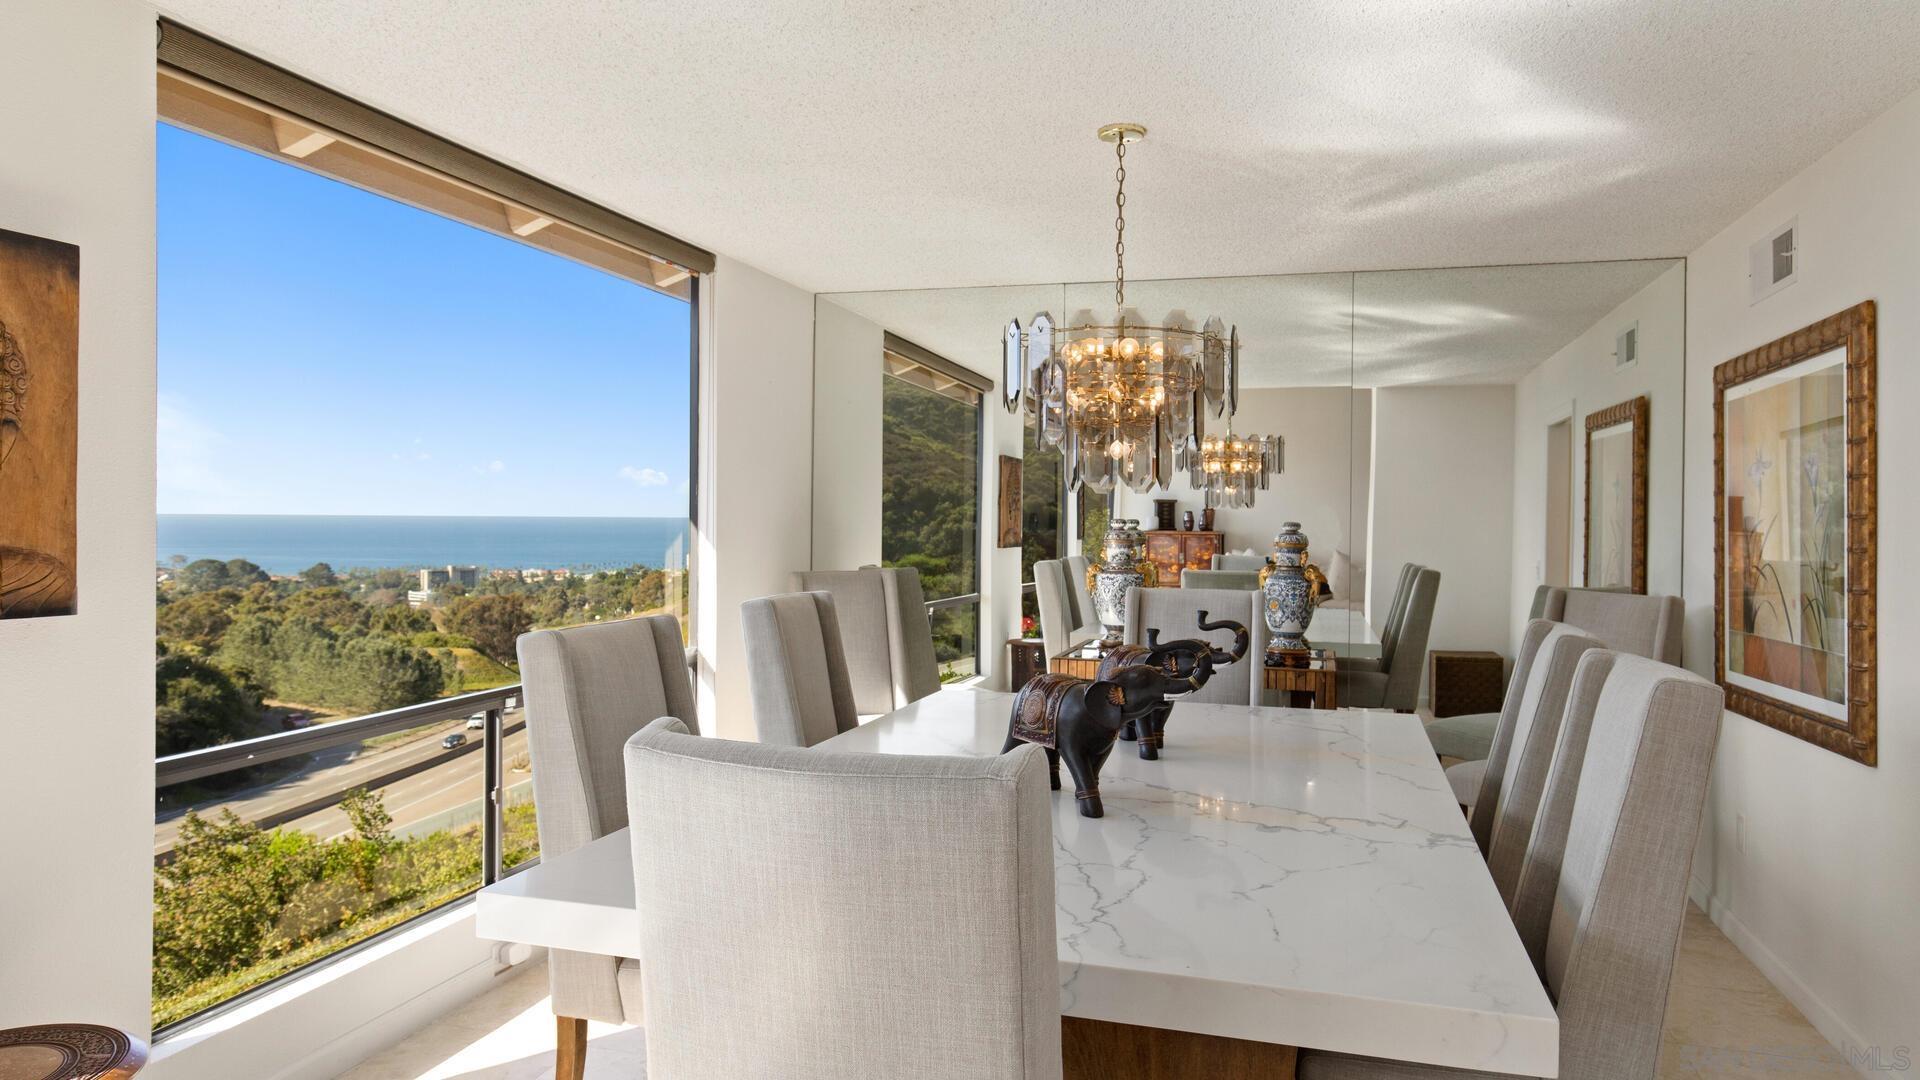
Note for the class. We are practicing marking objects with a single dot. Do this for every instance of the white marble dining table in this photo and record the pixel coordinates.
(1287, 876)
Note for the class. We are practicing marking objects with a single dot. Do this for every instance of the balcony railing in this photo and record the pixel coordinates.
(434, 762)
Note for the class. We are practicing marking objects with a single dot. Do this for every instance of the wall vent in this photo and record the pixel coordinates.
(1773, 262)
(1626, 347)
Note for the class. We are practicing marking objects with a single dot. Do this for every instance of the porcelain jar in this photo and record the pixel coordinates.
(1120, 556)
(1292, 590)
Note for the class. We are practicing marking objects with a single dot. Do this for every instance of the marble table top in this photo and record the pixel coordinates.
(1284, 875)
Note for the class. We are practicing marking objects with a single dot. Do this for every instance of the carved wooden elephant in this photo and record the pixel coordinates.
(1076, 720)
(1192, 660)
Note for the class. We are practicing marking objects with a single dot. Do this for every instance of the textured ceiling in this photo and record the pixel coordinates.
(888, 145)
(1431, 327)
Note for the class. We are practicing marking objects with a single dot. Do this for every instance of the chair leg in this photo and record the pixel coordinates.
(570, 1059)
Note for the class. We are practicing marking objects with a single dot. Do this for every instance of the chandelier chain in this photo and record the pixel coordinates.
(1120, 224)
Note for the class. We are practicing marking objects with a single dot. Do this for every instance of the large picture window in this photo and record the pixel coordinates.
(395, 433)
(930, 497)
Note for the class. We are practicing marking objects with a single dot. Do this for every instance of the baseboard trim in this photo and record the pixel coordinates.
(1824, 1019)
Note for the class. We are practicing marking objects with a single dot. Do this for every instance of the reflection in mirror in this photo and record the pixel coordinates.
(1482, 381)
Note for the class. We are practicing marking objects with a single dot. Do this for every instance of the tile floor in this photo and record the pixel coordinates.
(1724, 1021)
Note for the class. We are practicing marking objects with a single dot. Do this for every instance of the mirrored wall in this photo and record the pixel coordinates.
(1507, 426)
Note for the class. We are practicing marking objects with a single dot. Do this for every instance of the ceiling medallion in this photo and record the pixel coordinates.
(1126, 401)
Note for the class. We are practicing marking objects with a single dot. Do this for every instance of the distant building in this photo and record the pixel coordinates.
(561, 574)
(533, 575)
(433, 577)
(505, 575)
(419, 598)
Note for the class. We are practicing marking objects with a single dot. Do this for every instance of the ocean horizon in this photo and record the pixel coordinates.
(289, 543)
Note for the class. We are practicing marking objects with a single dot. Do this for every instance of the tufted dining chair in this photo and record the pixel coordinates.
(797, 669)
(1514, 776)
(1244, 580)
(1176, 613)
(1242, 563)
(1077, 587)
(1403, 652)
(1390, 625)
(885, 633)
(843, 915)
(1646, 626)
(1600, 910)
(588, 689)
(1061, 625)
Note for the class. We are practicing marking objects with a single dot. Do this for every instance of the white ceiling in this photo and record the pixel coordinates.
(886, 145)
(1432, 327)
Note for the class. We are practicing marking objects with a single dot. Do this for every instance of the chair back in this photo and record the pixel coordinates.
(1239, 562)
(843, 915)
(1523, 747)
(1077, 566)
(1176, 614)
(1405, 658)
(1627, 622)
(1243, 580)
(588, 689)
(1617, 890)
(796, 669)
(885, 632)
(1060, 628)
(1397, 610)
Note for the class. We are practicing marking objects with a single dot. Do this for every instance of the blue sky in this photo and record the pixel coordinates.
(328, 351)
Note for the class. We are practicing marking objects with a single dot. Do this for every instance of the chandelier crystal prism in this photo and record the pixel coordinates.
(1126, 401)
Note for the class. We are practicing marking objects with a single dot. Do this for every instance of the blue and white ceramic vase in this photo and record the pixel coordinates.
(1119, 570)
(1292, 592)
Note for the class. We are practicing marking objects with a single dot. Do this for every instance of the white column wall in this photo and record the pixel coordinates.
(76, 692)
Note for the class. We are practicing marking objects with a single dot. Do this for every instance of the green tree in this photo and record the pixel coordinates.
(371, 834)
(198, 619)
(330, 606)
(495, 623)
(199, 705)
(216, 900)
(202, 575)
(319, 575)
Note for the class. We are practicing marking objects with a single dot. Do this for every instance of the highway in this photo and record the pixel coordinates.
(306, 799)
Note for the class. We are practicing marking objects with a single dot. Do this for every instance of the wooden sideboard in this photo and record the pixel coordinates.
(1172, 551)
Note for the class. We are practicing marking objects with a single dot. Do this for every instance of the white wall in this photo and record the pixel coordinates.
(756, 493)
(1580, 379)
(1324, 486)
(1823, 892)
(1443, 497)
(76, 693)
(846, 438)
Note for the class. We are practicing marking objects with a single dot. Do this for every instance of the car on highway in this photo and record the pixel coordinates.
(453, 740)
(476, 721)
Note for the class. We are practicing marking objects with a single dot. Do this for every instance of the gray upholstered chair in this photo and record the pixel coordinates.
(1514, 776)
(1403, 657)
(1077, 567)
(1061, 627)
(1390, 626)
(1176, 614)
(797, 669)
(1239, 562)
(1601, 911)
(1626, 622)
(587, 690)
(1244, 580)
(843, 915)
(884, 631)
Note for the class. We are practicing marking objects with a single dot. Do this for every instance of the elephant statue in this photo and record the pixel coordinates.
(1077, 720)
(1192, 660)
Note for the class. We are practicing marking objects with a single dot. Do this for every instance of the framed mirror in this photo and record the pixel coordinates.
(1616, 486)
(1795, 505)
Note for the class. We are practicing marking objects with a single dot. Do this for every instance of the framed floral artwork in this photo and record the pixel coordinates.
(1616, 535)
(1795, 533)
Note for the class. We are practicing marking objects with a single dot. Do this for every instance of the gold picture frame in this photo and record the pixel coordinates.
(1796, 524)
(1618, 547)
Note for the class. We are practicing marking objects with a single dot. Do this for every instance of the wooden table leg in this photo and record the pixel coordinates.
(570, 1058)
(1100, 1050)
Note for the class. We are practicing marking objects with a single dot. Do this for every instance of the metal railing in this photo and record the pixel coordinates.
(946, 602)
(228, 757)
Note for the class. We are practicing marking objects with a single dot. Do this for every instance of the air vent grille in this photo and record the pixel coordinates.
(1773, 262)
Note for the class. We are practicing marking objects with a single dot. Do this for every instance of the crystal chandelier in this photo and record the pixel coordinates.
(1126, 401)
(1230, 468)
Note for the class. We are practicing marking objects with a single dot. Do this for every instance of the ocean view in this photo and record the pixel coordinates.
(288, 544)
